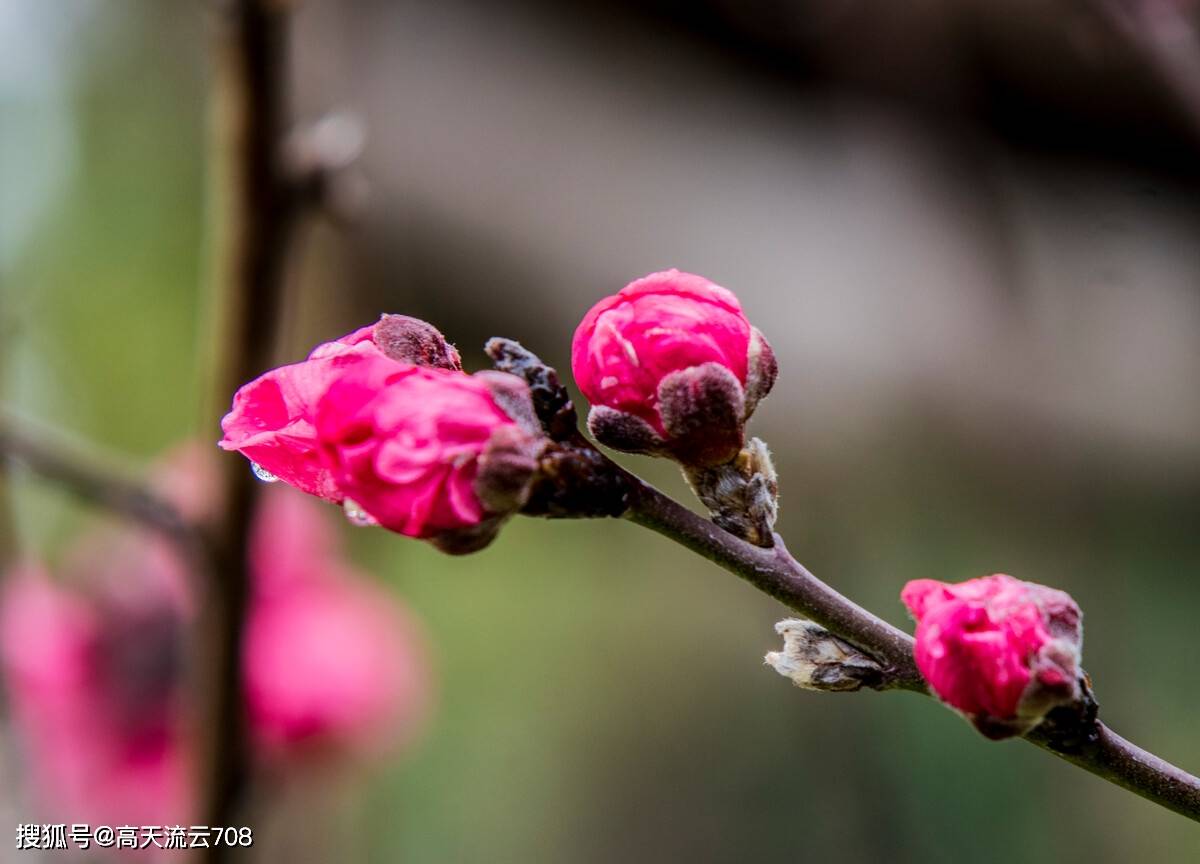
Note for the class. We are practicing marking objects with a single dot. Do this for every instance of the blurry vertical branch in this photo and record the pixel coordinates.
(253, 212)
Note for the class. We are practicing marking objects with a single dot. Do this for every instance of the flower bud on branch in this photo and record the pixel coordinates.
(672, 367)
(550, 400)
(1001, 651)
(271, 421)
(815, 659)
(428, 453)
(742, 495)
(385, 422)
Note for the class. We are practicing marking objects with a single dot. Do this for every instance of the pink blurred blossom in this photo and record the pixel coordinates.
(95, 661)
(93, 685)
(332, 661)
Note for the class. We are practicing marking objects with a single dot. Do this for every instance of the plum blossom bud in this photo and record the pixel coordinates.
(271, 422)
(815, 659)
(671, 367)
(430, 453)
(1002, 651)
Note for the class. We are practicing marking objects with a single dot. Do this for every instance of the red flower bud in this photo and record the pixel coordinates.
(427, 452)
(1002, 651)
(271, 419)
(385, 422)
(671, 367)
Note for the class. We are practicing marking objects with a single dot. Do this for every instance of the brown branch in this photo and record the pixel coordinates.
(91, 477)
(260, 206)
(94, 477)
(775, 572)
(1078, 737)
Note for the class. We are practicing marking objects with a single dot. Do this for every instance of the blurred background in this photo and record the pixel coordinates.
(971, 231)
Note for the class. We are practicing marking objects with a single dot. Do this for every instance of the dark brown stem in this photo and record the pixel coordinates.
(260, 201)
(1109, 756)
(1078, 738)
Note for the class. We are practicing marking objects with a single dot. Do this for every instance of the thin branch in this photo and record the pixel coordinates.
(253, 228)
(1111, 757)
(91, 477)
(1076, 737)
(775, 572)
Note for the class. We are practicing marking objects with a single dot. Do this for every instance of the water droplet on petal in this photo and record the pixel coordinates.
(263, 474)
(356, 515)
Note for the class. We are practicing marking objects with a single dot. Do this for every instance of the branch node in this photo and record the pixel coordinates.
(742, 495)
(321, 161)
(815, 659)
(550, 399)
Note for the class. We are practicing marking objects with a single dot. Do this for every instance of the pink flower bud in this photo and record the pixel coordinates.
(271, 422)
(1002, 651)
(671, 367)
(429, 453)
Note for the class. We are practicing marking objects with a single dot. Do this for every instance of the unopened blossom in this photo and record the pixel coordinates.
(385, 422)
(430, 453)
(672, 366)
(271, 421)
(1002, 651)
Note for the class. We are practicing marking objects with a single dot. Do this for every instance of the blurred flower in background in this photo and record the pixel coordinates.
(334, 664)
(94, 666)
(96, 661)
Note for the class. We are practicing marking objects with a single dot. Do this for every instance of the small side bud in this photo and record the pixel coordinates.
(576, 482)
(411, 340)
(623, 432)
(322, 160)
(742, 495)
(473, 538)
(815, 659)
(550, 400)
